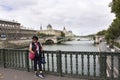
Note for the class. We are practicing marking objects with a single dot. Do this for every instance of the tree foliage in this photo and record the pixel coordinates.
(62, 34)
(116, 7)
(44, 35)
(101, 32)
(113, 31)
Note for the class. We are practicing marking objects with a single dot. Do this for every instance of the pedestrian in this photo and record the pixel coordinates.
(36, 48)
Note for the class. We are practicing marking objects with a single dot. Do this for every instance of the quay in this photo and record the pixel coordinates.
(25, 43)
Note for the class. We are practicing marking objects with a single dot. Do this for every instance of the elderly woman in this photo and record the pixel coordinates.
(36, 48)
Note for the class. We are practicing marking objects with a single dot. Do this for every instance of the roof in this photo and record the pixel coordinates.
(8, 21)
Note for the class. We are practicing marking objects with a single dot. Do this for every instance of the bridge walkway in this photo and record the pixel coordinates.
(11, 74)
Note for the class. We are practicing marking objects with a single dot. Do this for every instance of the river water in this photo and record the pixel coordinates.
(73, 46)
(82, 45)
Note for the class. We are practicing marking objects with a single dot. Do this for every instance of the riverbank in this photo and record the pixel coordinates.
(102, 47)
(15, 43)
(117, 47)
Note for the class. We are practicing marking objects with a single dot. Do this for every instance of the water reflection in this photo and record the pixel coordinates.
(74, 46)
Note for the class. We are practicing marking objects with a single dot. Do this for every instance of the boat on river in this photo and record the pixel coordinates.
(78, 39)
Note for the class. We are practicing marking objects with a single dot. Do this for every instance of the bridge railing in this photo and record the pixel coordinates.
(86, 65)
(13, 58)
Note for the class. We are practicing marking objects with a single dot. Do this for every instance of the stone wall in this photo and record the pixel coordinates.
(17, 43)
(118, 41)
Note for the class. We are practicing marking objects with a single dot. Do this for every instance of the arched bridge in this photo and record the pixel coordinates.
(50, 40)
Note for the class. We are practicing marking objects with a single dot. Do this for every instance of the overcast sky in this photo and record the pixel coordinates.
(80, 16)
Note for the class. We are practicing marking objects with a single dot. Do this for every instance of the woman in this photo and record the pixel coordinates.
(36, 48)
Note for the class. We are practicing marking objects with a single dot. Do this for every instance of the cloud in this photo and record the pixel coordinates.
(80, 16)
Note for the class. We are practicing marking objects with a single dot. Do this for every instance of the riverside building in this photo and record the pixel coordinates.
(57, 33)
(14, 31)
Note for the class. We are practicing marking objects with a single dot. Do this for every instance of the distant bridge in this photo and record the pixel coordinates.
(83, 38)
(52, 40)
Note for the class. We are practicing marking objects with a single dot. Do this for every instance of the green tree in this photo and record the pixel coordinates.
(62, 34)
(101, 32)
(116, 8)
(44, 35)
(113, 31)
(38, 33)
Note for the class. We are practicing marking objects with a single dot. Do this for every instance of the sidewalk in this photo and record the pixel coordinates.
(103, 48)
(11, 74)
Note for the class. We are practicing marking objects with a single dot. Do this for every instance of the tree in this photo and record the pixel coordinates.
(101, 32)
(113, 31)
(44, 35)
(116, 8)
(62, 34)
(38, 33)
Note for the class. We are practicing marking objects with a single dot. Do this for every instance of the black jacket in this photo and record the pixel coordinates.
(34, 49)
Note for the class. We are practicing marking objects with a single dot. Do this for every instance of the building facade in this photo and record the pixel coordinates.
(13, 30)
(68, 33)
(51, 31)
(57, 33)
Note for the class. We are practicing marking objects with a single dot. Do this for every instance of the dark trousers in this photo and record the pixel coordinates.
(37, 60)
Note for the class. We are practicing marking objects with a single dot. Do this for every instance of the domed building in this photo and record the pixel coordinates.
(64, 30)
(50, 31)
(57, 33)
(49, 27)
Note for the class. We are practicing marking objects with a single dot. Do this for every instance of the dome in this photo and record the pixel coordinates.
(64, 28)
(49, 27)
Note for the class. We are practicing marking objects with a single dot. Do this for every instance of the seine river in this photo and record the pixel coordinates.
(75, 45)
(82, 45)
